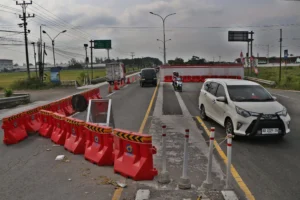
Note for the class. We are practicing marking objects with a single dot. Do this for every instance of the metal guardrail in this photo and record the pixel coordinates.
(19, 97)
(267, 82)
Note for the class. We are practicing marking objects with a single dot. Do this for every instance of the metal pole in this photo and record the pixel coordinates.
(280, 54)
(229, 155)
(210, 154)
(35, 59)
(184, 182)
(43, 62)
(53, 52)
(164, 177)
(108, 54)
(251, 47)
(248, 58)
(92, 58)
(164, 41)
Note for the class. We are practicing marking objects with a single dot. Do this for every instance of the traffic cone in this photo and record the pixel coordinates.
(116, 86)
(109, 89)
(128, 80)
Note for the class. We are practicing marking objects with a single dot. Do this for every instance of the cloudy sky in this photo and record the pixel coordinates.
(200, 27)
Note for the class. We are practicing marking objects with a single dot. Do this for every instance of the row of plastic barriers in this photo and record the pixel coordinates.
(130, 153)
(17, 126)
(198, 78)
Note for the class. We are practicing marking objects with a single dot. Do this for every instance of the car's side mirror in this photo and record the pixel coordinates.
(275, 98)
(222, 99)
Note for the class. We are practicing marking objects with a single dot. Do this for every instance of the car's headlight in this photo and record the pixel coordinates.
(283, 112)
(242, 112)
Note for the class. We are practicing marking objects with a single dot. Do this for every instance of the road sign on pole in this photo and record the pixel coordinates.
(102, 44)
(238, 36)
(286, 54)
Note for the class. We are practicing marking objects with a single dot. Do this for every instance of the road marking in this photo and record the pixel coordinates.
(118, 192)
(234, 172)
(110, 94)
(148, 110)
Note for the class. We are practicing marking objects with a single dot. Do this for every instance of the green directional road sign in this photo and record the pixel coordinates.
(102, 44)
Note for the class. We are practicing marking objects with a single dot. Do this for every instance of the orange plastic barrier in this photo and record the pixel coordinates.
(87, 95)
(168, 79)
(75, 135)
(32, 120)
(99, 145)
(58, 135)
(46, 123)
(96, 92)
(14, 129)
(134, 155)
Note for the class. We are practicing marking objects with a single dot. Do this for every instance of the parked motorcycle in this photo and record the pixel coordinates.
(178, 85)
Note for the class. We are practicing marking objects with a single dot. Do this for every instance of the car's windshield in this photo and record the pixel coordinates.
(149, 73)
(248, 93)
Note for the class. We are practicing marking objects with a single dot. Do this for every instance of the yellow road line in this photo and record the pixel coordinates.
(148, 110)
(234, 172)
(118, 192)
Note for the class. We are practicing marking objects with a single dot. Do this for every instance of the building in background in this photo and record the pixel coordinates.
(6, 64)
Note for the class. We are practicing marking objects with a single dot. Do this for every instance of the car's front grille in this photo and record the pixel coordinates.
(259, 124)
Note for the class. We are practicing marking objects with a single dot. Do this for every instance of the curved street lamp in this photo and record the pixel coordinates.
(53, 42)
(164, 41)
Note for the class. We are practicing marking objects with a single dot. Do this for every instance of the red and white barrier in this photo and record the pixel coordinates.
(198, 73)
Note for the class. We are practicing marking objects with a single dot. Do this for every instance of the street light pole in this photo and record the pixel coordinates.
(53, 43)
(164, 31)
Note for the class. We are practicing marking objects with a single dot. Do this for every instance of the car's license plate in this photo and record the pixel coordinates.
(270, 131)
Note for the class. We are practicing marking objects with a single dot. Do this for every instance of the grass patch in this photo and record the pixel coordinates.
(290, 76)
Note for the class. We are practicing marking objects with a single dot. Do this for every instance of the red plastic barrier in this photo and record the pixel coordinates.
(46, 107)
(68, 108)
(58, 135)
(75, 136)
(47, 124)
(168, 79)
(99, 145)
(87, 95)
(188, 79)
(196, 78)
(14, 129)
(32, 120)
(134, 155)
(57, 107)
(96, 93)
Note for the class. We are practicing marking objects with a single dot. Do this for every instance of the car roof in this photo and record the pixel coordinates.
(231, 81)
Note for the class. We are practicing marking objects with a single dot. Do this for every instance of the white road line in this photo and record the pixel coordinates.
(125, 86)
(110, 94)
(183, 107)
(282, 96)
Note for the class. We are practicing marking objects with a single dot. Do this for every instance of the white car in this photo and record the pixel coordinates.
(243, 108)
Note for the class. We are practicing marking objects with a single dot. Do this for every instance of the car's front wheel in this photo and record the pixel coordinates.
(203, 113)
(229, 127)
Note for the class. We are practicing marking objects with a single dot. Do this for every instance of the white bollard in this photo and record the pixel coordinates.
(184, 182)
(164, 176)
(208, 180)
(229, 154)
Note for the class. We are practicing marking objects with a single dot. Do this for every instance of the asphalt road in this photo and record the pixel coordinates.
(28, 169)
(269, 166)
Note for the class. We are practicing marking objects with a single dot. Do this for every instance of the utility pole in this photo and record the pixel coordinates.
(280, 55)
(23, 18)
(34, 58)
(108, 54)
(92, 57)
(268, 53)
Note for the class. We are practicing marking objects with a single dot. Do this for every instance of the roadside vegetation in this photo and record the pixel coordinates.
(290, 76)
(19, 81)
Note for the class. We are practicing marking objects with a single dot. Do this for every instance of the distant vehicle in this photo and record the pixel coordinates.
(243, 108)
(115, 72)
(178, 84)
(148, 75)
